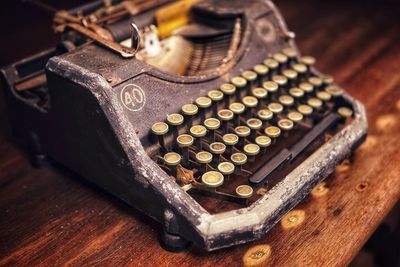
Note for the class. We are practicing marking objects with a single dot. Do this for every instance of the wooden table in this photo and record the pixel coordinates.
(51, 217)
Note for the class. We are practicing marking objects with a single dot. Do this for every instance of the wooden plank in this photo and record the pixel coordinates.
(51, 217)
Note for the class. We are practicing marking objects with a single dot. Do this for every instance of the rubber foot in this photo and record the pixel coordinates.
(173, 243)
(39, 161)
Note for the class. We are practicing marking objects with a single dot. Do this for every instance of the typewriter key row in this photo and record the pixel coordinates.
(220, 135)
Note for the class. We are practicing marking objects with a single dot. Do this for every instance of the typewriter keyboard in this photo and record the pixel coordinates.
(238, 141)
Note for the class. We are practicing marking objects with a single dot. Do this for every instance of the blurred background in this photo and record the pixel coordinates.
(25, 29)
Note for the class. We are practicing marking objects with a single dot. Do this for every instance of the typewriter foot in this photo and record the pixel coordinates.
(39, 160)
(170, 239)
(173, 243)
(37, 157)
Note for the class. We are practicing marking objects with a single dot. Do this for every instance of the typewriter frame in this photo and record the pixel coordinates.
(184, 219)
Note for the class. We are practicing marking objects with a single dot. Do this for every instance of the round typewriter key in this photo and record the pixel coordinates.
(300, 68)
(198, 131)
(230, 140)
(203, 103)
(289, 52)
(282, 59)
(295, 116)
(314, 103)
(250, 102)
(275, 107)
(250, 76)
(324, 96)
(286, 100)
(296, 92)
(306, 87)
(305, 109)
(189, 110)
(203, 158)
(184, 142)
(218, 149)
(272, 64)
(315, 81)
(160, 129)
(273, 131)
(216, 96)
(172, 159)
(229, 90)
(260, 93)
(327, 79)
(334, 90)
(226, 168)
(261, 71)
(242, 132)
(225, 115)
(285, 124)
(270, 86)
(263, 142)
(175, 120)
(239, 159)
(244, 191)
(237, 108)
(212, 179)
(308, 60)
(212, 124)
(280, 80)
(240, 84)
(265, 114)
(254, 124)
(251, 150)
(345, 112)
(291, 75)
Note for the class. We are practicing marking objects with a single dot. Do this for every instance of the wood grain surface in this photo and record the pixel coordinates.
(52, 217)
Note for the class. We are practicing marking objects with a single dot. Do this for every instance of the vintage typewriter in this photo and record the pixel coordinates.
(201, 114)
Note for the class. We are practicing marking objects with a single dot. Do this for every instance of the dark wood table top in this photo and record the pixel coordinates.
(51, 217)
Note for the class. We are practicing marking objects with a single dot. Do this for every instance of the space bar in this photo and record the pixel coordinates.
(317, 131)
(285, 155)
(263, 173)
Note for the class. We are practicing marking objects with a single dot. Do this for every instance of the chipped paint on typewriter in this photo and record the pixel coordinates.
(201, 114)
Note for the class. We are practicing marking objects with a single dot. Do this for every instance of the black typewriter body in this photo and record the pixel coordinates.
(95, 112)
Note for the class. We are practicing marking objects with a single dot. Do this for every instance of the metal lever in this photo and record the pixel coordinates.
(126, 52)
(135, 38)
